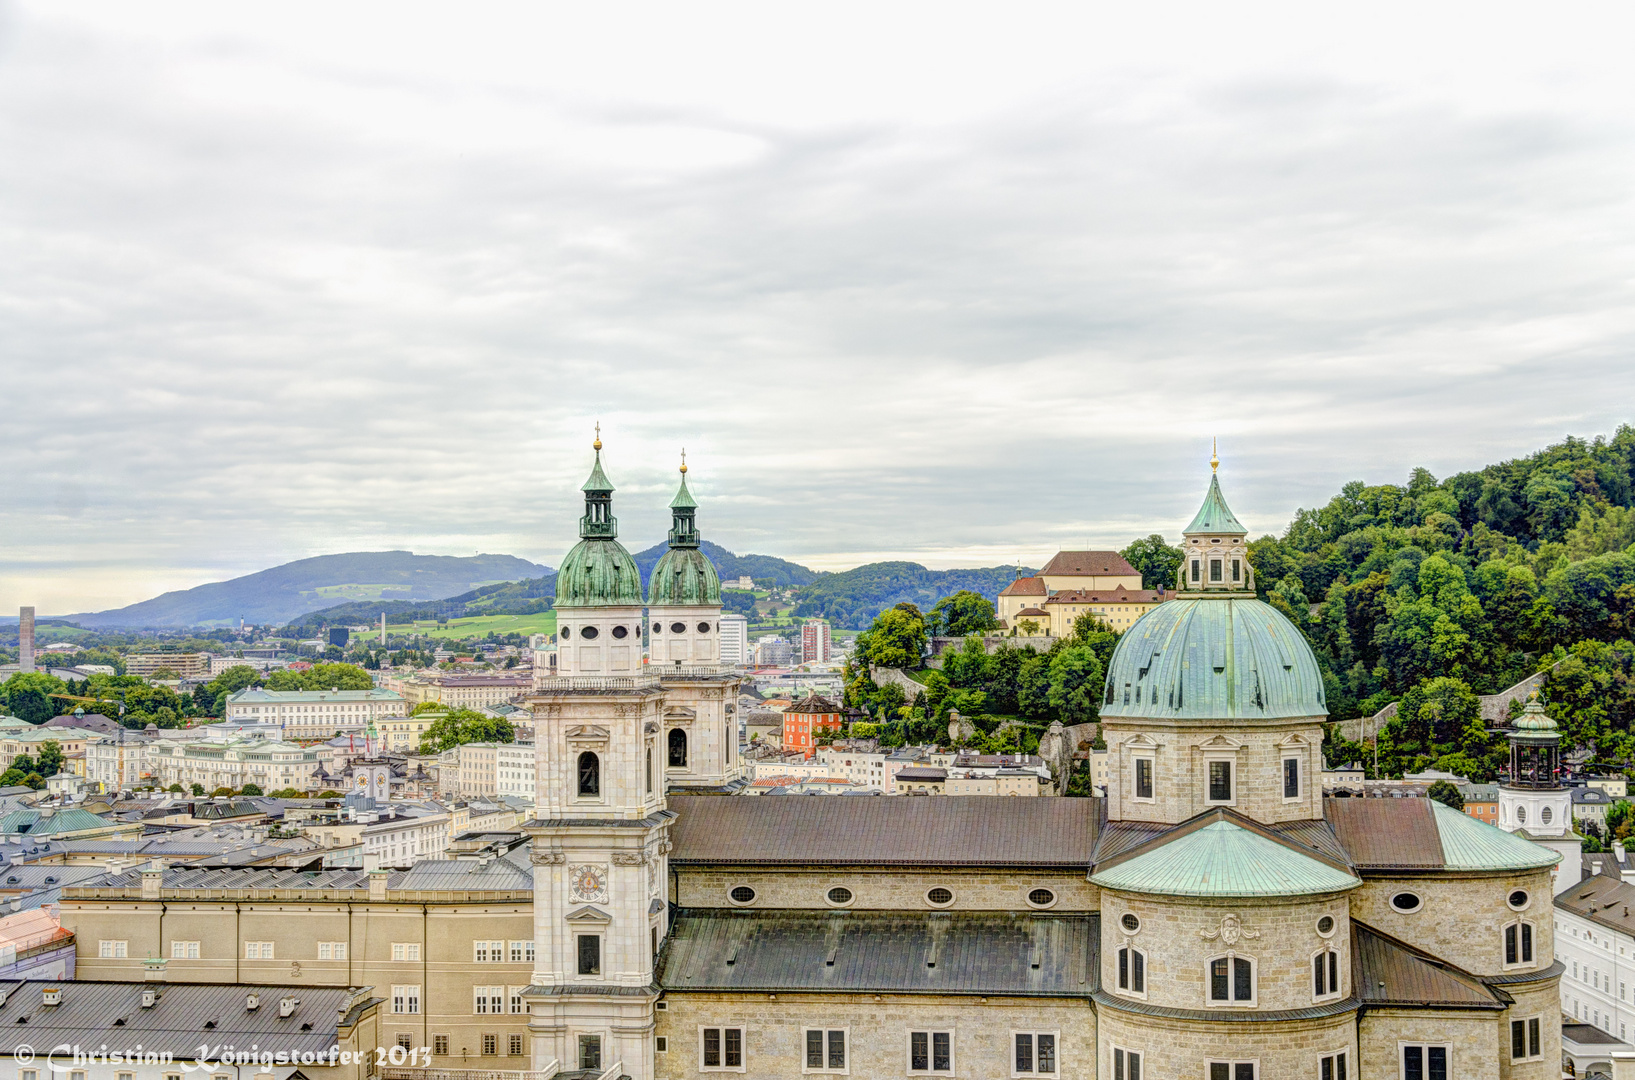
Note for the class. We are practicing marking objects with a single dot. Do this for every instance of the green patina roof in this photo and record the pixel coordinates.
(1468, 844)
(1213, 658)
(598, 479)
(686, 577)
(1223, 859)
(684, 498)
(35, 823)
(1534, 719)
(1214, 516)
(598, 572)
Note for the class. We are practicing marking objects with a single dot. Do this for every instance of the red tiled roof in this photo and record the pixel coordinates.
(1025, 586)
(1031, 611)
(1107, 596)
(1086, 563)
(813, 703)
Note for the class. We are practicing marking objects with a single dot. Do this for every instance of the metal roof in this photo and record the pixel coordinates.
(1469, 844)
(1222, 858)
(1386, 834)
(1605, 900)
(1386, 971)
(967, 952)
(973, 830)
(90, 1013)
(1214, 516)
(446, 875)
(1212, 658)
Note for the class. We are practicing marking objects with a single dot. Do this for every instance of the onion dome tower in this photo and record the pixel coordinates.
(598, 590)
(683, 632)
(1533, 802)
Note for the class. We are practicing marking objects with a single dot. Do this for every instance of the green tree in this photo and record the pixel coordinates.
(465, 726)
(176, 788)
(1076, 679)
(250, 789)
(896, 639)
(1155, 560)
(1621, 819)
(49, 762)
(221, 792)
(31, 705)
(1446, 794)
(322, 677)
(963, 613)
(198, 789)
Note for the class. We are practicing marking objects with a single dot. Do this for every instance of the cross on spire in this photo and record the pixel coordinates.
(597, 445)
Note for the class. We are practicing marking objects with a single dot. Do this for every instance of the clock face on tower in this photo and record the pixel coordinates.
(588, 882)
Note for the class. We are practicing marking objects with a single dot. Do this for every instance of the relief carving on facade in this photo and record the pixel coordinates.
(1230, 932)
(629, 858)
(547, 858)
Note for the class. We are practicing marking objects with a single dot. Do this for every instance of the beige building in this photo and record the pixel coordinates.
(315, 714)
(999, 782)
(401, 734)
(486, 770)
(1074, 583)
(269, 764)
(185, 665)
(462, 691)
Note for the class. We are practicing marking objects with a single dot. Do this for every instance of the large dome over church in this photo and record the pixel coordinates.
(1214, 658)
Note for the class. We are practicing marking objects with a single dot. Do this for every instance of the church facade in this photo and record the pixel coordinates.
(1215, 917)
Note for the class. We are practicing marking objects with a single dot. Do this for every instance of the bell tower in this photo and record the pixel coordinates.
(1532, 800)
(600, 831)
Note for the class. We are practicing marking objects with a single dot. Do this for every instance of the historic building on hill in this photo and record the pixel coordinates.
(1074, 583)
(1213, 918)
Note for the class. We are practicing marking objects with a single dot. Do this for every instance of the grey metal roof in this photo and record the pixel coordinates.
(973, 830)
(92, 1013)
(28, 877)
(1391, 972)
(191, 877)
(435, 875)
(946, 952)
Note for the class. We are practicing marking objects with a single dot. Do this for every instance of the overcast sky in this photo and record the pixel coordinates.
(963, 285)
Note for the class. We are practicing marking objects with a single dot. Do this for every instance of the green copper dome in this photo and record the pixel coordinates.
(1213, 658)
(684, 575)
(1533, 719)
(598, 572)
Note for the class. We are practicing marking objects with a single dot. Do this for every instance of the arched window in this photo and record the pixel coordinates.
(650, 769)
(1132, 970)
(1231, 980)
(1545, 815)
(678, 748)
(1518, 943)
(1325, 974)
(590, 774)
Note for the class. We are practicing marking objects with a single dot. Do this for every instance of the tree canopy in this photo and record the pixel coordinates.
(465, 726)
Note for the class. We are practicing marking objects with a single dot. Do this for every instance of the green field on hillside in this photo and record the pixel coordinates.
(543, 622)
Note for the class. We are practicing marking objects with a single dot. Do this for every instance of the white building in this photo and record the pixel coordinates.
(487, 769)
(734, 639)
(118, 760)
(773, 652)
(315, 714)
(814, 642)
(269, 765)
(1595, 942)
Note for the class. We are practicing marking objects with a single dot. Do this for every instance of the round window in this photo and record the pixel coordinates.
(1545, 815)
(1518, 899)
(743, 894)
(657, 627)
(619, 632)
(1041, 898)
(589, 632)
(840, 895)
(703, 628)
(939, 897)
(1130, 923)
(1325, 925)
(567, 632)
(678, 628)
(1406, 901)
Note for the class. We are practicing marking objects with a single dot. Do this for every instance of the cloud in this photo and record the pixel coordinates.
(944, 290)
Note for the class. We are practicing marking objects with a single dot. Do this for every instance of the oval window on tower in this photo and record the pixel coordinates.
(840, 895)
(588, 632)
(1545, 815)
(703, 628)
(567, 632)
(656, 628)
(619, 632)
(1518, 899)
(678, 628)
(743, 894)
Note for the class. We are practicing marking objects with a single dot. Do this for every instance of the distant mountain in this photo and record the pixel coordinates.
(505, 598)
(285, 592)
(850, 599)
(731, 567)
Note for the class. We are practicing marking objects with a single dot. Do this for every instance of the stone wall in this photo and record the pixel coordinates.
(877, 1028)
(1281, 937)
(1473, 1038)
(896, 890)
(990, 643)
(1182, 1049)
(1462, 919)
(1181, 753)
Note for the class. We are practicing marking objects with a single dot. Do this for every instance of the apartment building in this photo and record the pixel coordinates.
(734, 639)
(185, 665)
(315, 714)
(463, 691)
(814, 642)
(449, 945)
(118, 760)
(269, 764)
(488, 769)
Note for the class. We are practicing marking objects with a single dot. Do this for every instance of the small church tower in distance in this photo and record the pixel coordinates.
(1533, 802)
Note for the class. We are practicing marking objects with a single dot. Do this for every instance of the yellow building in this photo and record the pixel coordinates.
(1074, 583)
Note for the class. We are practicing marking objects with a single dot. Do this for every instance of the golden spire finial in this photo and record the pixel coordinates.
(683, 461)
(1214, 455)
(597, 445)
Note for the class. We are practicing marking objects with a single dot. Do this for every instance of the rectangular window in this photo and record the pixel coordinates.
(1421, 1062)
(1232, 1070)
(1237, 569)
(517, 1002)
(1195, 570)
(405, 1039)
(1132, 970)
(1214, 569)
(111, 949)
(1333, 1067)
(931, 1051)
(403, 951)
(1231, 980)
(491, 1045)
(406, 999)
(487, 1000)
(332, 950)
(1143, 778)
(258, 950)
(721, 1048)
(825, 1050)
(590, 954)
(514, 1046)
(590, 1052)
(439, 1044)
(1035, 1053)
(1524, 1039)
(522, 952)
(184, 950)
(489, 952)
(1220, 781)
(1291, 778)
(1126, 1064)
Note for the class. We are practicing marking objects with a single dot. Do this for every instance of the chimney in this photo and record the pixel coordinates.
(286, 1006)
(252, 1002)
(1618, 851)
(52, 995)
(377, 884)
(149, 997)
(152, 882)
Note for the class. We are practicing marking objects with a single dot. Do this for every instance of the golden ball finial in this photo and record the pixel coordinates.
(597, 445)
(684, 462)
(1214, 455)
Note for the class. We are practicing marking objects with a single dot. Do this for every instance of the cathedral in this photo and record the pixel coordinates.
(1214, 918)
